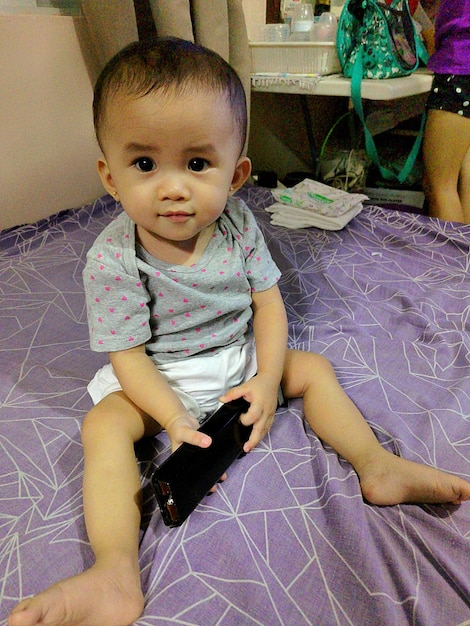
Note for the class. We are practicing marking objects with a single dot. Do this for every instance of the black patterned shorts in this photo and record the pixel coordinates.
(450, 92)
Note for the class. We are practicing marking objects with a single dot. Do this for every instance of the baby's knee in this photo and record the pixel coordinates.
(103, 418)
(96, 420)
(305, 371)
(118, 415)
(320, 363)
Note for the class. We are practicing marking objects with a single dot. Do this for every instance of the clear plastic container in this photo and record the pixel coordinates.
(294, 57)
(274, 32)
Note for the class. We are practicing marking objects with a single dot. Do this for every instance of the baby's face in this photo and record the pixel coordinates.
(172, 162)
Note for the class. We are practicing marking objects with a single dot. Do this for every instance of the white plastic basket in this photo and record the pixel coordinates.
(294, 57)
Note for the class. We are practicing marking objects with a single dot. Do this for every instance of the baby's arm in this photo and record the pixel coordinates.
(270, 331)
(145, 386)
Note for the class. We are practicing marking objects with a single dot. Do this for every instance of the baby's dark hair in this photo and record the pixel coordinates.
(170, 66)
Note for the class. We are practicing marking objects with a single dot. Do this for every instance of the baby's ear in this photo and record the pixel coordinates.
(106, 178)
(241, 174)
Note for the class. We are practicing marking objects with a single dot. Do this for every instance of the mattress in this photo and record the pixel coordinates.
(287, 539)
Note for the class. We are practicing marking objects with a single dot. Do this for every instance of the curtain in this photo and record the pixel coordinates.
(216, 24)
(111, 25)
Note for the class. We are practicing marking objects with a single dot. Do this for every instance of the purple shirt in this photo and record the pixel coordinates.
(452, 26)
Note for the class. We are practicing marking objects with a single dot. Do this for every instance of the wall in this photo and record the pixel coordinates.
(48, 151)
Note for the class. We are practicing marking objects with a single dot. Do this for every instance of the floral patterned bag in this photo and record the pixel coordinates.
(380, 37)
(378, 40)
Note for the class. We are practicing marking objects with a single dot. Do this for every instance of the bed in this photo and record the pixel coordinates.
(287, 539)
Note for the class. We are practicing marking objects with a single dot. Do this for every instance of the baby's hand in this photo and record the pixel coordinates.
(261, 392)
(183, 429)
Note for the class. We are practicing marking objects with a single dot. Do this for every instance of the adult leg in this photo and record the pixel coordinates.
(464, 185)
(445, 146)
(109, 593)
(385, 478)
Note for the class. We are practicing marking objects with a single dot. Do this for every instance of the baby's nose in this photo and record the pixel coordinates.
(172, 187)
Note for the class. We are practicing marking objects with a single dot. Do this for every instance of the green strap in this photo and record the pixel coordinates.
(421, 51)
(371, 149)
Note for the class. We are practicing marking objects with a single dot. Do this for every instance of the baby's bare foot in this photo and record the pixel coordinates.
(389, 479)
(101, 596)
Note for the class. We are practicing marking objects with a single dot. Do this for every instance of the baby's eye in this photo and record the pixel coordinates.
(144, 164)
(198, 164)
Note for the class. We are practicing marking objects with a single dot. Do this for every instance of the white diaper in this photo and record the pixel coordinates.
(198, 381)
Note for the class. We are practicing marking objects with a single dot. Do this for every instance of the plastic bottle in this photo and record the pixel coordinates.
(325, 29)
(302, 22)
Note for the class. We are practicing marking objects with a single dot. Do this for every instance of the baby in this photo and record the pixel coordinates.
(182, 295)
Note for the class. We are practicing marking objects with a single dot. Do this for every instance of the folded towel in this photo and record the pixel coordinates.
(311, 203)
(307, 82)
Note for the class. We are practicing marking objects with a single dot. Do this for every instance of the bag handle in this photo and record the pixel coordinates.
(371, 149)
(422, 53)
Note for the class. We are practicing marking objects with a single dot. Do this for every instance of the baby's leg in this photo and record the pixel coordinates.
(385, 478)
(109, 593)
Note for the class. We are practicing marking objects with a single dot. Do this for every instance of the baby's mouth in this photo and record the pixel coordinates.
(176, 216)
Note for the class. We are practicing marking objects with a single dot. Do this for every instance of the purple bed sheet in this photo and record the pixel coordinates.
(287, 539)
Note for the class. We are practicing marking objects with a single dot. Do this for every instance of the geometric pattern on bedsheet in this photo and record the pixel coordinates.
(287, 539)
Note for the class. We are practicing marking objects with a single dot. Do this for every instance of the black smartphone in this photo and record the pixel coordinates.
(189, 473)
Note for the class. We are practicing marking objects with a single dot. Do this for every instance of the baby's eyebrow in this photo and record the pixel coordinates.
(134, 146)
(206, 148)
(137, 147)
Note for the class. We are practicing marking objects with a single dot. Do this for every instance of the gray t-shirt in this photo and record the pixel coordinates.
(177, 311)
